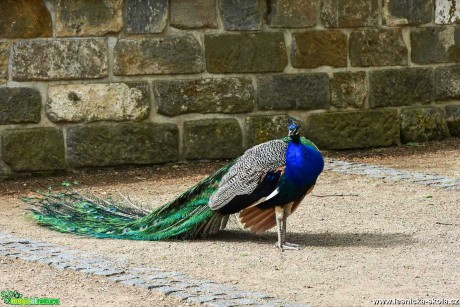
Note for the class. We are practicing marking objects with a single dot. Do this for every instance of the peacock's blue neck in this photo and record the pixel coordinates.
(303, 164)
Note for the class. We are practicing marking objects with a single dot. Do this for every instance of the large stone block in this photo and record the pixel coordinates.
(36, 149)
(293, 13)
(453, 119)
(447, 81)
(400, 87)
(435, 45)
(423, 124)
(172, 54)
(95, 102)
(145, 16)
(19, 105)
(357, 129)
(4, 57)
(377, 47)
(319, 48)
(60, 59)
(116, 144)
(223, 95)
(407, 12)
(193, 14)
(292, 92)
(88, 18)
(212, 139)
(349, 89)
(447, 11)
(265, 128)
(349, 13)
(25, 19)
(261, 52)
(238, 15)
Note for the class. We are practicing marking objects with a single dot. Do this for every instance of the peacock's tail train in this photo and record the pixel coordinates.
(186, 217)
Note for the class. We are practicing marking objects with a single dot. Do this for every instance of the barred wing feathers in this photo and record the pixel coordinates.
(245, 175)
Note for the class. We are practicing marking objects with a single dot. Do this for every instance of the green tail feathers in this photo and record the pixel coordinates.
(186, 217)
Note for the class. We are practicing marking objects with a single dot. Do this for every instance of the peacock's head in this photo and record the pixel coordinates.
(294, 129)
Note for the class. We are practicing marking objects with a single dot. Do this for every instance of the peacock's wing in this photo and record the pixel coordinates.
(242, 186)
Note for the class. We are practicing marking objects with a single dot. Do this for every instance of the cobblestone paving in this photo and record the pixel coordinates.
(180, 285)
(175, 284)
(391, 174)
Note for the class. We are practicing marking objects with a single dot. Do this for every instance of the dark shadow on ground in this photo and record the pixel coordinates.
(329, 239)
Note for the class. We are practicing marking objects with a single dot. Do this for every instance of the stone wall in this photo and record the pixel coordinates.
(97, 83)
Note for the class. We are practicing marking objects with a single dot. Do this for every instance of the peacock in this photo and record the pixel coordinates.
(264, 186)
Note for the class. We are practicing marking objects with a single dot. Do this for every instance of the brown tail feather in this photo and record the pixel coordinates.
(253, 217)
(249, 213)
(265, 224)
(256, 220)
(260, 220)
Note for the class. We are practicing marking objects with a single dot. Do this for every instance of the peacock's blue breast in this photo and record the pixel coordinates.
(303, 164)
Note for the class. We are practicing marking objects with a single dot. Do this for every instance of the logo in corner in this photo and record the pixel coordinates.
(16, 298)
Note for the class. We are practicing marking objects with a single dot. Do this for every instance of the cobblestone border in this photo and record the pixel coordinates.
(174, 284)
(387, 173)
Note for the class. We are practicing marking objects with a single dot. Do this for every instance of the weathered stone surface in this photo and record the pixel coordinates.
(60, 59)
(212, 139)
(241, 14)
(377, 47)
(95, 102)
(25, 19)
(319, 48)
(423, 124)
(178, 54)
(357, 129)
(116, 144)
(407, 12)
(4, 56)
(293, 13)
(36, 149)
(265, 128)
(290, 92)
(349, 89)
(145, 16)
(447, 11)
(261, 52)
(447, 81)
(193, 14)
(88, 18)
(453, 119)
(399, 87)
(19, 105)
(349, 13)
(224, 95)
(435, 45)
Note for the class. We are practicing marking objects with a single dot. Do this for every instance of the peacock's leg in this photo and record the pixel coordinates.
(281, 214)
(287, 245)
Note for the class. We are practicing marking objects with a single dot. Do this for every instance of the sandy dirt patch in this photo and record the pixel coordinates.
(441, 158)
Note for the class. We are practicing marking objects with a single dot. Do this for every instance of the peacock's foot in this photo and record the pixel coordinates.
(292, 245)
(287, 246)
